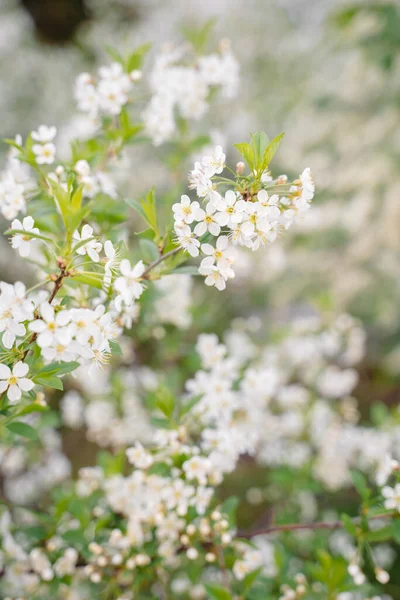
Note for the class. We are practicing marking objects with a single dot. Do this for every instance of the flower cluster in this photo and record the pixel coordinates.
(239, 217)
(175, 85)
(109, 94)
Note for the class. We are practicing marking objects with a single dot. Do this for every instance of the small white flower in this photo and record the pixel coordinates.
(187, 239)
(92, 247)
(44, 134)
(111, 262)
(82, 167)
(214, 276)
(51, 328)
(230, 209)
(128, 285)
(197, 468)
(199, 181)
(20, 241)
(221, 254)
(215, 163)
(392, 496)
(44, 153)
(139, 457)
(185, 210)
(15, 381)
(207, 221)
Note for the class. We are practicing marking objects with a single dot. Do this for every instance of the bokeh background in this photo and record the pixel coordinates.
(327, 73)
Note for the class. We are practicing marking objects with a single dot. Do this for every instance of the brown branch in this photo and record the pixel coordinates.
(329, 525)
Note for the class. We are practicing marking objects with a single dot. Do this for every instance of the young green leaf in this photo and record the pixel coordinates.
(23, 429)
(217, 592)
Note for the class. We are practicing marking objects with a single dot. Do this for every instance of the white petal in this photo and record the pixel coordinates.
(47, 312)
(28, 223)
(5, 372)
(14, 393)
(20, 369)
(45, 339)
(25, 384)
(37, 326)
(125, 267)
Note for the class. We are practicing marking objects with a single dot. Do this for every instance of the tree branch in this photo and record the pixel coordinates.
(160, 260)
(306, 526)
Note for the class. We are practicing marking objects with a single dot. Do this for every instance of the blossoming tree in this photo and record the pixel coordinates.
(150, 520)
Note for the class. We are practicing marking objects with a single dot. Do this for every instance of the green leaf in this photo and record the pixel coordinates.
(23, 429)
(217, 592)
(379, 413)
(135, 60)
(93, 281)
(360, 483)
(149, 250)
(259, 142)
(247, 152)
(147, 234)
(48, 380)
(187, 407)
(149, 208)
(250, 578)
(75, 537)
(114, 54)
(396, 530)
(76, 199)
(381, 535)
(115, 348)
(349, 524)
(229, 508)
(270, 151)
(165, 402)
(59, 368)
(137, 206)
(31, 408)
(62, 199)
(199, 37)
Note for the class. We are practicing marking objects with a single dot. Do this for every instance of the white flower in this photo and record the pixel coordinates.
(139, 457)
(82, 167)
(254, 218)
(187, 239)
(207, 221)
(199, 181)
(44, 153)
(44, 134)
(215, 163)
(111, 262)
(14, 308)
(307, 184)
(270, 204)
(51, 328)
(197, 467)
(386, 468)
(15, 381)
(221, 254)
(128, 285)
(392, 496)
(20, 241)
(92, 247)
(185, 210)
(230, 209)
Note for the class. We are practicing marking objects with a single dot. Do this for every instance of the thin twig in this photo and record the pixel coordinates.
(306, 526)
(160, 260)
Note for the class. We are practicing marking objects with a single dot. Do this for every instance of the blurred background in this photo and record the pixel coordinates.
(327, 73)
